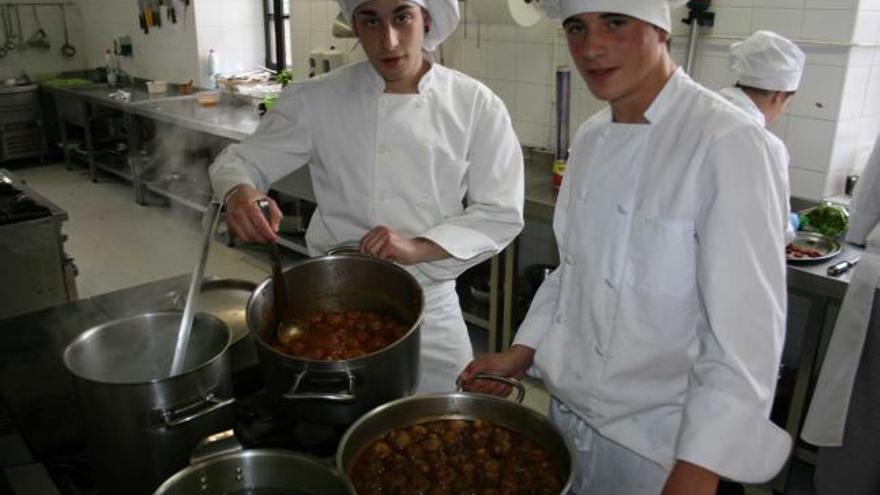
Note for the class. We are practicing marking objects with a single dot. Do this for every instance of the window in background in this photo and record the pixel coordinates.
(279, 52)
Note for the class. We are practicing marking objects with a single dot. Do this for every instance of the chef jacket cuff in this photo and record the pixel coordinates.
(227, 173)
(731, 438)
(460, 242)
(466, 248)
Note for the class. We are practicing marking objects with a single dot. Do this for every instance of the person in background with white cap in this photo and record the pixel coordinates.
(417, 163)
(768, 68)
(659, 336)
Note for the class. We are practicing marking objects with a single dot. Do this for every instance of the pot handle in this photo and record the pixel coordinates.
(220, 443)
(342, 396)
(513, 382)
(350, 247)
(176, 417)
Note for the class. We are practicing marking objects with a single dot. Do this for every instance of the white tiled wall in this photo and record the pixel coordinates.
(174, 52)
(829, 127)
(37, 62)
(166, 53)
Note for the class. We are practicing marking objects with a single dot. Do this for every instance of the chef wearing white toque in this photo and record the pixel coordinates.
(768, 70)
(660, 334)
(417, 163)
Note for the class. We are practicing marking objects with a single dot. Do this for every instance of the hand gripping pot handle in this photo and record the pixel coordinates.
(350, 247)
(347, 395)
(520, 388)
(175, 417)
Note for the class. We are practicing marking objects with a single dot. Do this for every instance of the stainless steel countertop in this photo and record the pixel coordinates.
(100, 94)
(234, 117)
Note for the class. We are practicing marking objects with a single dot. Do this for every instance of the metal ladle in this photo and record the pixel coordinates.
(67, 50)
(212, 215)
(8, 27)
(289, 328)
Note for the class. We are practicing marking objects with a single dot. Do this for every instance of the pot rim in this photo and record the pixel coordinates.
(95, 329)
(252, 454)
(319, 259)
(452, 397)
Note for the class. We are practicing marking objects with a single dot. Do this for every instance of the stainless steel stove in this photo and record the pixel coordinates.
(36, 271)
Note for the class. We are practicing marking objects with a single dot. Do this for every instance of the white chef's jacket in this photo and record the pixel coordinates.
(741, 100)
(664, 324)
(827, 419)
(443, 164)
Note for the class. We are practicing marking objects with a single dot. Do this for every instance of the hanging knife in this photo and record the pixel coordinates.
(842, 267)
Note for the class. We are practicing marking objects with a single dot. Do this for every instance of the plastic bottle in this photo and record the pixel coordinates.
(110, 66)
(213, 68)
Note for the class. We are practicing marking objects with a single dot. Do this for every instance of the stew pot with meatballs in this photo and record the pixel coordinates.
(359, 347)
(455, 443)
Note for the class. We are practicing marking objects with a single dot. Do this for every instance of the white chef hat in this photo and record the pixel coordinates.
(656, 12)
(766, 60)
(444, 18)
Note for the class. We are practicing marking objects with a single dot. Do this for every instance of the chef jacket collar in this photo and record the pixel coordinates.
(376, 83)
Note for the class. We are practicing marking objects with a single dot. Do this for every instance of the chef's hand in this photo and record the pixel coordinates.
(690, 479)
(245, 218)
(386, 244)
(512, 363)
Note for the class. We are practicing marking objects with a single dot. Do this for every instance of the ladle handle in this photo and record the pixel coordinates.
(278, 289)
(212, 215)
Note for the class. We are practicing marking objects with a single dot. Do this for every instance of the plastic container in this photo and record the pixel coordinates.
(156, 87)
(208, 98)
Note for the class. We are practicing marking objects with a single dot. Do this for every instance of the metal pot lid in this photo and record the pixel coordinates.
(227, 299)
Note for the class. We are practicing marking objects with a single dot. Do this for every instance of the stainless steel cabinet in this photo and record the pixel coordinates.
(21, 131)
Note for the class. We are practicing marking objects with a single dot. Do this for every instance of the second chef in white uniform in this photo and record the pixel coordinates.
(417, 162)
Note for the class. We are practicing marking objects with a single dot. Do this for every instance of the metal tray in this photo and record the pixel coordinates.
(827, 246)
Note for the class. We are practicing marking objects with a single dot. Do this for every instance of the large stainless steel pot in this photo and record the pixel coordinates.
(221, 466)
(410, 411)
(338, 392)
(141, 423)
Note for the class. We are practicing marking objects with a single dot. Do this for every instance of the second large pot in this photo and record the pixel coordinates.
(141, 422)
(410, 411)
(338, 392)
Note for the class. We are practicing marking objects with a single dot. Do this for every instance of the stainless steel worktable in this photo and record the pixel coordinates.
(234, 117)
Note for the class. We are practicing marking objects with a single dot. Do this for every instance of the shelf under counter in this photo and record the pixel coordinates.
(175, 197)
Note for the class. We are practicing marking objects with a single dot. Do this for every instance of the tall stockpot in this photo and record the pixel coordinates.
(140, 422)
(338, 392)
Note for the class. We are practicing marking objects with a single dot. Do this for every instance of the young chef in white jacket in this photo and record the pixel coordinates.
(417, 162)
(659, 336)
(768, 68)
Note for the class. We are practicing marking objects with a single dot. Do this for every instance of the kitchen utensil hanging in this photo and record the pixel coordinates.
(67, 50)
(38, 39)
(7, 26)
(5, 29)
(21, 45)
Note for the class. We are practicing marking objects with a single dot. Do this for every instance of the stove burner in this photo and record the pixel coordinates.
(16, 206)
(260, 422)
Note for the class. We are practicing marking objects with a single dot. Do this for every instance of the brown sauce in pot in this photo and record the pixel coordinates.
(335, 336)
(455, 457)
